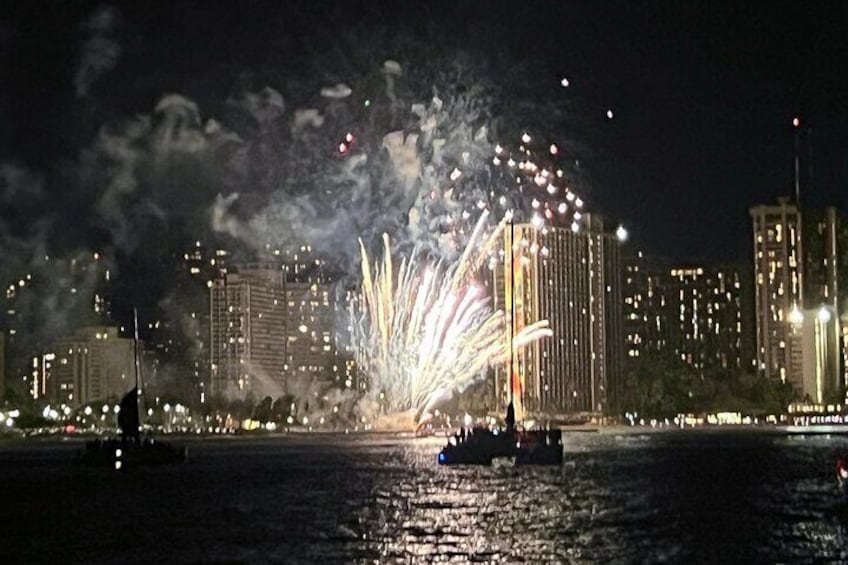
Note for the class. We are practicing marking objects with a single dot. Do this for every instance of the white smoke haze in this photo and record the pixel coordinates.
(394, 181)
(223, 221)
(17, 182)
(179, 127)
(339, 90)
(100, 53)
(120, 151)
(391, 70)
(313, 399)
(391, 67)
(141, 167)
(265, 105)
(353, 150)
(404, 155)
(45, 296)
(383, 180)
(309, 117)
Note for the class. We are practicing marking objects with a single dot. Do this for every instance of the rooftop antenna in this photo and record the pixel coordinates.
(796, 123)
(809, 157)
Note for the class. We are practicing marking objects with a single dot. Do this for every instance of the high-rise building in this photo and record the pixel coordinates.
(823, 334)
(26, 317)
(311, 342)
(190, 311)
(697, 314)
(801, 319)
(315, 356)
(248, 332)
(95, 364)
(573, 280)
(636, 296)
(640, 302)
(778, 285)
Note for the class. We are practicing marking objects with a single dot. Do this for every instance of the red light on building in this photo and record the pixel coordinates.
(796, 122)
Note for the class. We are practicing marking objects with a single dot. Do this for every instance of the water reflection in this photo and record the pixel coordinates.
(627, 498)
(652, 498)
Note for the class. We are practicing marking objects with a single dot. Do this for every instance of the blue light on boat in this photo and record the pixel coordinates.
(441, 457)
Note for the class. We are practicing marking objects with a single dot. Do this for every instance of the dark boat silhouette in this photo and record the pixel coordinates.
(130, 449)
(480, 446)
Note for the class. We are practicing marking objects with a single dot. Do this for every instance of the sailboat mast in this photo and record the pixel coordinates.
(139, 385)
(512, 311)
(135, 349)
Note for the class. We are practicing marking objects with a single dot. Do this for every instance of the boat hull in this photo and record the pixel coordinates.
(119, 454)
(482, 446)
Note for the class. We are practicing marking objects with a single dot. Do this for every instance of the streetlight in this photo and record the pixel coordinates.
(823, 317)
(795, 316)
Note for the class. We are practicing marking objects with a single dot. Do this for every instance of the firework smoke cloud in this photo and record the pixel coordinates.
(100, 52)
(349, 153)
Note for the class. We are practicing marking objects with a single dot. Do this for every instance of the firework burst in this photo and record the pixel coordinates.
(424, 331)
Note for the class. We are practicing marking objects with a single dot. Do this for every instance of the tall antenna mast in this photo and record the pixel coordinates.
(796, 123)
(809, 157)
(512, 311)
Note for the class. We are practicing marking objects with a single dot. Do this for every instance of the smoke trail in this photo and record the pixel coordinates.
(46, 296)
(100, 53)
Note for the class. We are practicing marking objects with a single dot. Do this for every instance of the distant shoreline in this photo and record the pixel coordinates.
(402, 435)
(727, 428)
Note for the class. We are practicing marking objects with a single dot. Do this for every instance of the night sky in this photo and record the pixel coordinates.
(703, 93)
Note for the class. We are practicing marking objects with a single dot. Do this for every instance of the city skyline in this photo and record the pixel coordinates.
(655, 326)
(278, 155)
(323, 281)
(696, 314)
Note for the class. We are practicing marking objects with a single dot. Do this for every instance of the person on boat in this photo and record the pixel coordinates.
(510, 417)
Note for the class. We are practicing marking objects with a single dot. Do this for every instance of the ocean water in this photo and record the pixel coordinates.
(721, 497)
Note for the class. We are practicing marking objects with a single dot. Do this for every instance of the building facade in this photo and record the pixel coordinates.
(635, 316)
(778, 291)
(822, 328)
(93, 365)
(696, 313)
(248, 332)
(200, 267)
(800, 312)
(311, 352)
(573, 280)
